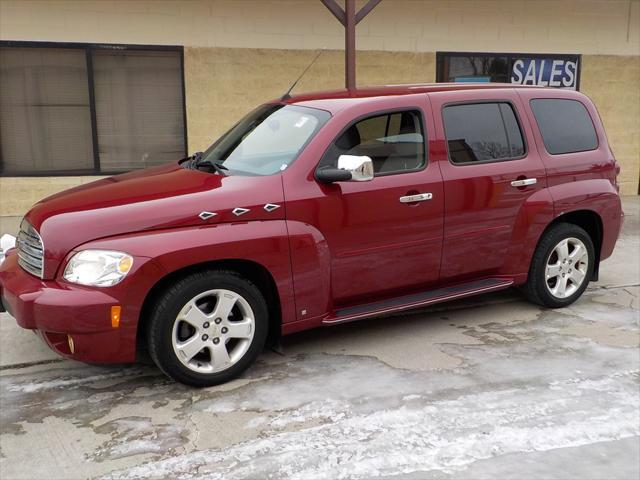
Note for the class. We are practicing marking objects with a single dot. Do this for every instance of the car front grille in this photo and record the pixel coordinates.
(30, 249)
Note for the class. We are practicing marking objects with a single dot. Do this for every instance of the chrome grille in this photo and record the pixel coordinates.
(30, 249)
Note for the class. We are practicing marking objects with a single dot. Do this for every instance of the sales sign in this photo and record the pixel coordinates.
(547, 72)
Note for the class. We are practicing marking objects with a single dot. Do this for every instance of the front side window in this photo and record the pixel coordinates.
(393, 141)
(482, 132)
(565, 125)
(267, 140)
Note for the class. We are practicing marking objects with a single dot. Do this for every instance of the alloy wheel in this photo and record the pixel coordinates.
(213, 331)
(566, 267)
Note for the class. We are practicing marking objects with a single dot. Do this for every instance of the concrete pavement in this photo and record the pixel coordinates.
(483, 388)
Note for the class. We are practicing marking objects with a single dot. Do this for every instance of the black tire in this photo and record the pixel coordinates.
(169, 304)
(536, 289)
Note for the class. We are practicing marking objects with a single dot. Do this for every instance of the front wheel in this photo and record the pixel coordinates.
(207, 328)
(561, 267)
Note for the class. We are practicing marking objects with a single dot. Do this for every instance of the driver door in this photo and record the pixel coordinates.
(381, 243)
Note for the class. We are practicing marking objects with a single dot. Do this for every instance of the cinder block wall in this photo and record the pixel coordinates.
(223, 84)
(613, 83)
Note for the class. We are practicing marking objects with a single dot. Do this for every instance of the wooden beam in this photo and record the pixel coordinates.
(335, 9)
(349, 19)
(364, 11)
(350, 44)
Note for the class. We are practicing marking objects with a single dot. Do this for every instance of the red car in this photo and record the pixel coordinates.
(316, 210)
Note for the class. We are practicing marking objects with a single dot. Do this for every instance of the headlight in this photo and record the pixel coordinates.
(98, 268)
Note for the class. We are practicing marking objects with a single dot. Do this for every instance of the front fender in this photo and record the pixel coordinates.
(262, 242)
(311, 270)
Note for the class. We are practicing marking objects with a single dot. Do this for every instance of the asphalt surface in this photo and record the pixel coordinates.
(489, 387)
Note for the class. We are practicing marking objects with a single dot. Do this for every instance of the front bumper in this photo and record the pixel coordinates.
(56, 310)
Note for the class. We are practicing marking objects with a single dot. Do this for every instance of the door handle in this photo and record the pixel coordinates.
(419, 197)
(524, 182)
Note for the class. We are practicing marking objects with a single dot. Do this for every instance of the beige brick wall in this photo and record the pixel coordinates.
(613, 83)
(606, 27)
(17, 195)
(223, 84)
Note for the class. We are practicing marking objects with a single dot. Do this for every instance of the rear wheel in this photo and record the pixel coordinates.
(208, 328)
(561, 267)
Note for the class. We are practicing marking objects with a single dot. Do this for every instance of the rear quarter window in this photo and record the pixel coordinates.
(565, 125)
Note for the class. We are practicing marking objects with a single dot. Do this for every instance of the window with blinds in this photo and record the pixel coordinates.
(45, 119)
(87, 109)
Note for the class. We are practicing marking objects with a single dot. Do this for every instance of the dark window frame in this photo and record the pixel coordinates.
(525, 144)
(88, 49)
(511, 57)
(593, 123)
(378, 113)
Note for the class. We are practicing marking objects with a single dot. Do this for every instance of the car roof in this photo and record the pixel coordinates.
(334, 100)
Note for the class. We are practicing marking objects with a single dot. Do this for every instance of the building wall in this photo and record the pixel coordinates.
(226, 74)
(595, 27)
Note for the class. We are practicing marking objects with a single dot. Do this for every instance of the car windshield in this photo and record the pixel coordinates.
(266, 141)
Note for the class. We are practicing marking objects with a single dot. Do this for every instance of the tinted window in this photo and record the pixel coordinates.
(565, 125)
(482, 132)
(394, 141)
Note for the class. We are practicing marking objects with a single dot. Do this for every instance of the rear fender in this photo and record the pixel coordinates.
(598, 195)
(551, 204)
(534, 216)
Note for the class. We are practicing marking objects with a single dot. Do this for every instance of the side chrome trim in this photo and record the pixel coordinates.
(422, 303)
(207, 215)
(270, 207)
(239, 211)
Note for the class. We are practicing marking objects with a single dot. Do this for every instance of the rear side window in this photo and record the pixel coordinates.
(565, 125)
(482, 132)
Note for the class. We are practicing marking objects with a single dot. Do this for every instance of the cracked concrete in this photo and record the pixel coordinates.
(488, 387)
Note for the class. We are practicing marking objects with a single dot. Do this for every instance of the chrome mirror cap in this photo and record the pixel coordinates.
(361, 167)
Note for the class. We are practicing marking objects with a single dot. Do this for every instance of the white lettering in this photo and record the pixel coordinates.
(570, 69)
(555, 71)
(541, 82)
(516, 75)
(530, 76)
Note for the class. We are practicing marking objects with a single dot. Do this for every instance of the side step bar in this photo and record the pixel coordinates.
(417, 300)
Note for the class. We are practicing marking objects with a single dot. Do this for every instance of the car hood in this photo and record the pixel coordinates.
(162, 197)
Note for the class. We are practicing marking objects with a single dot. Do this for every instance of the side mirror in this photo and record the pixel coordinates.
(351, 168)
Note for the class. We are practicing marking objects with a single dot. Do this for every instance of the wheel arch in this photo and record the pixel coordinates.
(591, 222)
(256, 273)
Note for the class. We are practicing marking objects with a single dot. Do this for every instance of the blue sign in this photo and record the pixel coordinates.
(547, 72)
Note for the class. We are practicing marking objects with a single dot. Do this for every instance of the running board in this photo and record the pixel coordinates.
(417, 300)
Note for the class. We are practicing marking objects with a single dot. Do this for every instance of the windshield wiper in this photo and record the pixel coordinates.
(217, 166)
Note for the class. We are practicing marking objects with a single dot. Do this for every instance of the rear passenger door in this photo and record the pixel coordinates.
(489, 169)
